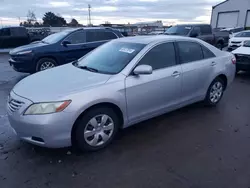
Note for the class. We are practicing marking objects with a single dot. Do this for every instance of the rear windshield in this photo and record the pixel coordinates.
(112, 57)
(243, 34)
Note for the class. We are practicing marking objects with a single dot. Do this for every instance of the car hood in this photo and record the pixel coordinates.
(30, 46)
(242, 50)
(239, 39)
(56, 83)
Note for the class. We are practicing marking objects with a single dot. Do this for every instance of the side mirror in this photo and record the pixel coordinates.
(143, 69)
(66, 43)
(194, 34)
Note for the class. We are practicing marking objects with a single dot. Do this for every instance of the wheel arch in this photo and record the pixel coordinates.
(111, 105)
(224, 78)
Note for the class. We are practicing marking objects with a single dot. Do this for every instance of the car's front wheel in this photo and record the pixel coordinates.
(96, 129)
(215, 92)
(45, 63)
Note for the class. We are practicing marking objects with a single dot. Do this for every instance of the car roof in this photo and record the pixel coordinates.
(153, 39)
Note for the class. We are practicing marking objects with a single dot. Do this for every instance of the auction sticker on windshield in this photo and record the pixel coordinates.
(127, 50)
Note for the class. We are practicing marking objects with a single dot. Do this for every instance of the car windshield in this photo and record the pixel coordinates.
(178, 30)
(243, 34)
(110, 58)
(54, 38)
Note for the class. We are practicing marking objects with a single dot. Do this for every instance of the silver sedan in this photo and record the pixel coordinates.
(119, 84)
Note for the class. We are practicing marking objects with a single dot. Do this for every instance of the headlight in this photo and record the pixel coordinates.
(46, 108)
(24, 52)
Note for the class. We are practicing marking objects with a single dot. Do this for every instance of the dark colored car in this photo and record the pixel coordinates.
(242, 55)
(12, 37)
(60, 48)
(201, 31)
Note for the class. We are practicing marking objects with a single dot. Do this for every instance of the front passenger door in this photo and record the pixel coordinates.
(154, 94)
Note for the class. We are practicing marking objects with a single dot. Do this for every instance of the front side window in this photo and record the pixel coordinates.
(76, 38)
(112, 57)
(159, 57)
(189, 52)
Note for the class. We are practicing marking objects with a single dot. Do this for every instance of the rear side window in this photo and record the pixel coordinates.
(206, 29)
(76, 38)
(92, 36)
(159, 57)
(189, 52)
(207, 53)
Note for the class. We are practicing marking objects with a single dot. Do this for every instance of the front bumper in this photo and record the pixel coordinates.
(22, 63)
(50, 130)
(233, 47)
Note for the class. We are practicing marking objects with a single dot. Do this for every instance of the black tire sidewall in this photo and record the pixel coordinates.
(80, 142)
(208, 100)
(41, 61)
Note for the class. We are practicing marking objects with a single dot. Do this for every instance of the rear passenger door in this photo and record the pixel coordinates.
(95, 38)
(197, 69)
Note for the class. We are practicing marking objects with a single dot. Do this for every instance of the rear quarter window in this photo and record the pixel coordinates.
(207, 53)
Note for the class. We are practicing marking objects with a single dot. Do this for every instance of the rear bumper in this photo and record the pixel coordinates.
(22, 64)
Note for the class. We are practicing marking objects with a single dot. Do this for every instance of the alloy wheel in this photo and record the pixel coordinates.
(99, 130)
(46, 65)
(216, 92)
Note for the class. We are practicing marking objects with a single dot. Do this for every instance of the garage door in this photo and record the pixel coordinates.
(228, 19)
(248, 19)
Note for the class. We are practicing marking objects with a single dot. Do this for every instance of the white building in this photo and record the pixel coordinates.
(231, 13)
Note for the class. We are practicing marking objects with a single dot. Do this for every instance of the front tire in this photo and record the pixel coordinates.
(96, 129)
(215, 92)
(45, 63)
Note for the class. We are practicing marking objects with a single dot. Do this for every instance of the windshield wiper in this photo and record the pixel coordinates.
(88, 68)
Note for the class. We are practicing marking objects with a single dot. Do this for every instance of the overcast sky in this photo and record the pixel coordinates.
(114, 11)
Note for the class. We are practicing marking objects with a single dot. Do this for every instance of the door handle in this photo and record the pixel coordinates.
(213, 63)
(176, 74)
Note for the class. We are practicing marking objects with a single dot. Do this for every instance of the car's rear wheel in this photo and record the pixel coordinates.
(96, 129)
(215, 92)
(45, 63)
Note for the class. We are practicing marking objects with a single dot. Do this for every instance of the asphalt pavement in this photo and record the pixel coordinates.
(194, 147)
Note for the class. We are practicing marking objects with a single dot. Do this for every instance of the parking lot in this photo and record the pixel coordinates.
(193, 147)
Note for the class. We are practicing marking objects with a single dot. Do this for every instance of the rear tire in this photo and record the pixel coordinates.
(45, 63)
(215, 92)
(96, 129)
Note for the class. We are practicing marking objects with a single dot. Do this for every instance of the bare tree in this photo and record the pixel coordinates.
(31, 17)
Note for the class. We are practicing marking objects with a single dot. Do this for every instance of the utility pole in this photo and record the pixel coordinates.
(89, 7)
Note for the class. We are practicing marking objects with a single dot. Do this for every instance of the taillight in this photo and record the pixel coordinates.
(234, 60)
